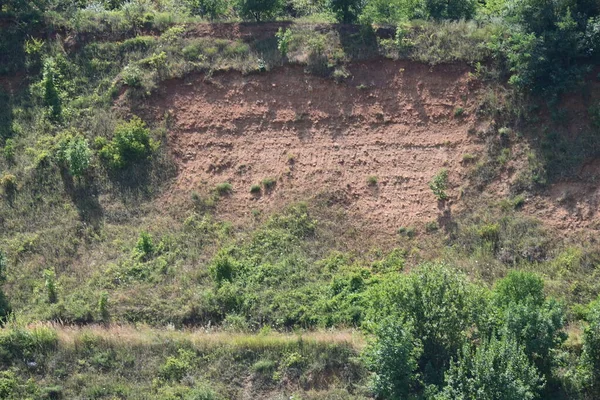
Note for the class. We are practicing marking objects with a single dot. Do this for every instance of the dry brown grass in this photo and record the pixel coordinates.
(143, 335)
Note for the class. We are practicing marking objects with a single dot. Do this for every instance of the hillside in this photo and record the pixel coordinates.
(299, 209)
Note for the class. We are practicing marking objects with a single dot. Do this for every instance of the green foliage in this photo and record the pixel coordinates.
(393, 359)
(103, 307)
(144, 248)
(19, 345)
(372, 181)
(439, 184)
(213, 9)
(131, 143)
(224, 188)
(437, 302)
(283, 41)
(524, 313)
(50, 285)
(440, 9)
(223, 268)
(9, 183)
(346, 11)
(496, 369)
(258, 9)
(590, 357)
(51, 93)
(9, 150)
(74, 153)
(385, 12)
(177, 367)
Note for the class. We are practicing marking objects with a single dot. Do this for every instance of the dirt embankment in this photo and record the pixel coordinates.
(398, 122)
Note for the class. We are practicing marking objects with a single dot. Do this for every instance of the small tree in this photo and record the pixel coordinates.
(439, 184)
(525, 313)
(258, 9)
(590, 358)
(51, 92)
(131, 143)
(346, 11)
(212, 9)
(393, 358)
(496, 369)
(75, 154)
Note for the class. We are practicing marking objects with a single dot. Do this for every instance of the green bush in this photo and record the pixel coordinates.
(213, 9)
(346, 11)
(51, 93)
(439, 304)
(177, 367)
(144, 247)
(131, 143)
(590, 357)
(50, 284)
(258, 9)
(439, 184)
(495, 369)
(392, 357)
(74, 153)
(526, 314)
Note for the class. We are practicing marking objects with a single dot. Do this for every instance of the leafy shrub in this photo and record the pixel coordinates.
(222, 268)
(131, 143)
(372, 181)
(213, 9)
(258, 9)
(9, 150)
(496, 369)
(74, 153)
(255, 189)
(346, 11)
(17, 344)
(9, 184)
(460, 9)
(437, 302)
(176, 368)
(50, 284)
(439, 184)
(283, 41)
(144, 247)
(393, 359)
(526, 314)
(51, 93)
(590, 357)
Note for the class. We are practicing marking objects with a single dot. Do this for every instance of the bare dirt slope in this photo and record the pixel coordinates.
(396, 121)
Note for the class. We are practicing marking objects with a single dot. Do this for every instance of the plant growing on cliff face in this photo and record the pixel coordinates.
(439, 184)
(283, 41)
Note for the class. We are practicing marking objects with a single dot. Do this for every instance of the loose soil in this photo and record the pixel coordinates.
(392, 120)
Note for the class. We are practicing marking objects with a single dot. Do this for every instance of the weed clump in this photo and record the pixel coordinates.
(269, 183)
(224, 189)
(439, 184)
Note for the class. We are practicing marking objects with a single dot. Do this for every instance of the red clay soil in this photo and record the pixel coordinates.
(392, 120)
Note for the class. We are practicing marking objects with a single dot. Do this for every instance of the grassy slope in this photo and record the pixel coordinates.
(297, 269)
